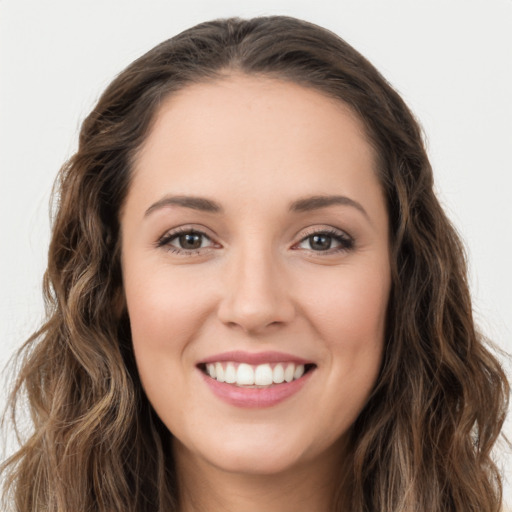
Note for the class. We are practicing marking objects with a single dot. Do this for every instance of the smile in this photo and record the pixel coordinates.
(259, 380)
(261, 375)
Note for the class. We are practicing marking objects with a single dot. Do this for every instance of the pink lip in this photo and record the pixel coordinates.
(254, 358)
(254, 397)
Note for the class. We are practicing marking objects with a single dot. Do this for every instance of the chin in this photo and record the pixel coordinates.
(257, 461)
(250, 454)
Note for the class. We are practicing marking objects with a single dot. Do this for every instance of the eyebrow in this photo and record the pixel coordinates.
(318, 202)
(192, 202)
(306, 204)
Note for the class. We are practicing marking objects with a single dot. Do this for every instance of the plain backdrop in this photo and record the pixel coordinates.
(451, 60)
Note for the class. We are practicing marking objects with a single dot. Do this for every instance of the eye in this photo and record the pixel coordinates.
(185, 241)
(329, 241)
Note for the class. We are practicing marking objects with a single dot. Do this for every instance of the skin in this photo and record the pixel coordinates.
(255, 145)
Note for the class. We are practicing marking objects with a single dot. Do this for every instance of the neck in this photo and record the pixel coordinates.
(314, 485)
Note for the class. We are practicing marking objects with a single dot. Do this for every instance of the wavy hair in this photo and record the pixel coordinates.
(423, 441)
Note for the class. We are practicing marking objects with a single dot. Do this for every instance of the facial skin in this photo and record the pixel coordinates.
(258, 282)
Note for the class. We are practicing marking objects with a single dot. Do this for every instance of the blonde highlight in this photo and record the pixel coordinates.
(423, 441)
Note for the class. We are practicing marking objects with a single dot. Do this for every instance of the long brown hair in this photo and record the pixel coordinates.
(423, 441)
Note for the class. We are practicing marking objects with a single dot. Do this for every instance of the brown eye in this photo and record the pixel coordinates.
(185, 242)
(320, 242)
(327, 241)
(190, 241)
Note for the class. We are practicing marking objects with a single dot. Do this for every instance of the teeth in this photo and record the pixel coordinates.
(263, 375)
(210, 368)
(278, 376)
(299, 372)
(230, 374)
(288, 373)
(244, 375)
(259, 375)
(219, 372)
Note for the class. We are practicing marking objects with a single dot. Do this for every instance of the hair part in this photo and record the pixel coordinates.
(424, 439)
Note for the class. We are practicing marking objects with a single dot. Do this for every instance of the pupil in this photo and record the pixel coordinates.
(190, 241)
(320, 242)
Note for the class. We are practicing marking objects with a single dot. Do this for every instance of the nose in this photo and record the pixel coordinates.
(256, 294)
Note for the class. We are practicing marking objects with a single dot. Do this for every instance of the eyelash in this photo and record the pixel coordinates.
(346, 242)
(165, 241)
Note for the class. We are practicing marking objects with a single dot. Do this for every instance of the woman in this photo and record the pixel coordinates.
(255, 299)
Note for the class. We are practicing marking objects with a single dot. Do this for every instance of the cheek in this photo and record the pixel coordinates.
(165, 314)
(162, 306)
(349, 315)
(350, 308)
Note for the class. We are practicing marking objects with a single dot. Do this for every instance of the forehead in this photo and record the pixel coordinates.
(251, 135)
(239, 104)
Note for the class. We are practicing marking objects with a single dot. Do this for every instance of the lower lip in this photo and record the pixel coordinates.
(255, 397)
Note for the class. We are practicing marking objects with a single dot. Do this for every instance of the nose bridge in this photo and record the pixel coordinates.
(255, 293)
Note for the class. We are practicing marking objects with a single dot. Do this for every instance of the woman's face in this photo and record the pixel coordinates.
(255, 252)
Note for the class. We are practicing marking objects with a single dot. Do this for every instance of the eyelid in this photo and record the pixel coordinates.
(345, 239)
(171, 234)
(322, 228)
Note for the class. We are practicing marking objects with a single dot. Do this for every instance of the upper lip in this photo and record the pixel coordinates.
(254, 358)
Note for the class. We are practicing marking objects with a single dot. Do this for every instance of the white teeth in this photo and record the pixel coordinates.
(219, 371)
(288, 373)
(278, 374)
(263, 375)
(244, 375)
(258, 375)
(210, 368)
(299, 372)
(230, 374)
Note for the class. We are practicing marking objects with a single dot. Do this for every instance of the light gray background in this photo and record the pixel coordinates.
(450, 59)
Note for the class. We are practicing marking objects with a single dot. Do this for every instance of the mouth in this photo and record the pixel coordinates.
(255, 376)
